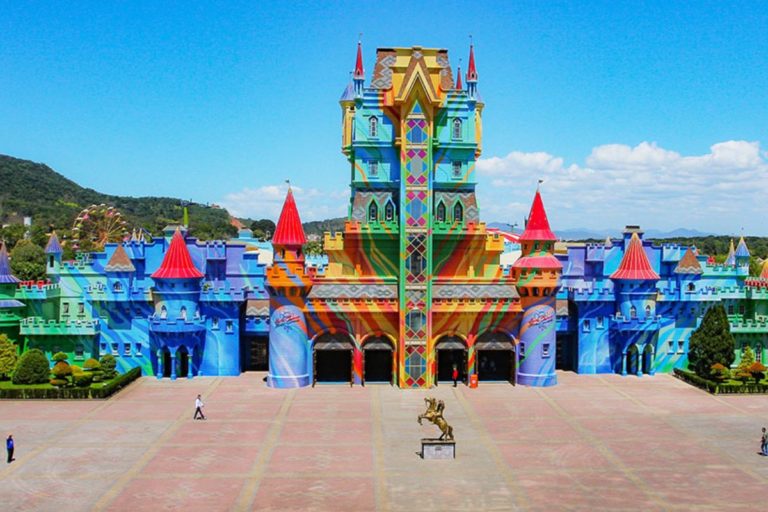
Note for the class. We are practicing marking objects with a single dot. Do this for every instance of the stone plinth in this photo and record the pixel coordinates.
(434, 449)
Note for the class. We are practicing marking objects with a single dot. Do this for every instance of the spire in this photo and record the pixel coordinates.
(53, 246)
(471, 71)
(764, 270)
(177, 263)
(459, 85)
(608, 242)
(730, 260)
(289, 231)
(5, 267)
(741, 249)
(635, 265)
(688, 264)
(120, 262)
(537, 227)
(359, 72)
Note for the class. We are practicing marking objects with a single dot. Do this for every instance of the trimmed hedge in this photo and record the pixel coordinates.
(721, 389)
(108, 389)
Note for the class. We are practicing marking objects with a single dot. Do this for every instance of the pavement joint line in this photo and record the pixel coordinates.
(521, 497)
(725, 455)
(250, 488)
(605, 451)
(105, 499)
(380, 482)
(28, 456)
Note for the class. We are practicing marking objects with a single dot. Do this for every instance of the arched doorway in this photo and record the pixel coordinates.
(378, 356)
(648, 359)
(332, 358)
(495, 354)
(182, 360)
(450, 351)
(167, 362)
(632, 356)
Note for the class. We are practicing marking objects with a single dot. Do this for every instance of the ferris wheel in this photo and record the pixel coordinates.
(96, 226)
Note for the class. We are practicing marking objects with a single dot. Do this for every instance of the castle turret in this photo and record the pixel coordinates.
(288, 285)
(120, 271)
(177, 326)
(688, 271)
(472, 74)
(358, 77)
(10, 308)
(537, 274)
(741, 256)
(635, 288)
(53, 252)
(730, 260)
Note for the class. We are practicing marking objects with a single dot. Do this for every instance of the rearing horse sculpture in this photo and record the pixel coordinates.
(434, 414)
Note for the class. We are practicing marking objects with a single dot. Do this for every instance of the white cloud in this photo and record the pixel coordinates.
(265, 202)
(721, 191)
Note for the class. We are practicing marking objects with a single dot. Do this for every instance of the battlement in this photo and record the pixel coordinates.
(38, 290)
(333, 242)
(620, 322)
(170, 325)
(36, 326)
(494, 242)
(222, 293)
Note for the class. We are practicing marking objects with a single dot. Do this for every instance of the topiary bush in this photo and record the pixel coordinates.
(59, 383)
(720, 373)
(108, 364)
(91, 364)
(76, 370)
(59, 356)
(757, 369)
(83, 380)
(8, 357)
(32, 368)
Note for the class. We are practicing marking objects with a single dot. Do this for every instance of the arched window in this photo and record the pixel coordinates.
(373, 126)
(691, 287)
(456, 133)
(117, 287)
(440, 214)
(197, 313)
(373, 212)
(647, 311)
(633, 312)
(416, 263)
(183, 313)
(389, 211)
(163, 312)
(458, 212)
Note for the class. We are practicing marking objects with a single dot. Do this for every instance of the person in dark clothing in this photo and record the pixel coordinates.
(455, 375)
(764, 443)
(9, 447)
(199, 408)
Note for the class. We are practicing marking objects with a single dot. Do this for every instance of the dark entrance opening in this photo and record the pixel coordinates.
(647, 359)
(332, 359)
(377, 353)
(632, 359)
(255, 353)
(451, 352)
(182, 361)
(567, 352)
(166, 362)
(495, 357)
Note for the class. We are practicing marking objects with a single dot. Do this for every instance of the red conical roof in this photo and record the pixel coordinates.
(635, 265)
(459, 85)
(289, 230)
(359, 72)
(471, 71)
(764, 271)
(537, 228)
(177, 263)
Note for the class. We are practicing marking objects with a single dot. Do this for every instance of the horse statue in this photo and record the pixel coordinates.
(434, 414)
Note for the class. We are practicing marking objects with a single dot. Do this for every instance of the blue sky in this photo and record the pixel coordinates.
(653, 113)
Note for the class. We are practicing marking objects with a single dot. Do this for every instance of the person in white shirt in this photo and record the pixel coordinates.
(199, 408)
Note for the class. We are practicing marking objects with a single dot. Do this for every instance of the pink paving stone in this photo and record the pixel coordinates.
(338, 432)
(628, 428)
(61, 410)
(321, 459)
(43, 494)
(62, 461)
(203, 460)
(579, 454)
(152, 410)
(315, 495)
(219, 432)
(253, 409)
(188, 494)
(536, 429)
(661, 452)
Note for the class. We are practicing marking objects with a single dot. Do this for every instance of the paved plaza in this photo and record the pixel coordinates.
(590, 443)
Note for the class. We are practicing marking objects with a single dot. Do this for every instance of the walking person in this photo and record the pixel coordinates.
(455, 375)
(199, 408)
(764, 443)
(9, 447)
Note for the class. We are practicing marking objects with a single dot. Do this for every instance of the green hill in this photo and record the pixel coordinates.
(53, 201)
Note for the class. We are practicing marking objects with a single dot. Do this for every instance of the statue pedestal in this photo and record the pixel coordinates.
(434, 449)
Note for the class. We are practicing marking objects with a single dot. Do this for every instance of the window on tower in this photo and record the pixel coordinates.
(456, 169)
(373, 212)
(456, 133)
(389, 211)
(373, 126)
(633, 312)
(458, 212)
(373, 168)
(440, 213)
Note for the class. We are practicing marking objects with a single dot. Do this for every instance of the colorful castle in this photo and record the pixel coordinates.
(414, 286)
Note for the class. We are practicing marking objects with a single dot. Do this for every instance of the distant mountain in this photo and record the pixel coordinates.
(30, 189)
(318, 227)
(575, 234)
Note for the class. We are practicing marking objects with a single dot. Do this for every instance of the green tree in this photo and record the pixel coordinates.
(8, 357)
(108, 364)
(32, 368)
(12, 234)
(744, 370)
(28, 261)
(263, 228)
(711, 343)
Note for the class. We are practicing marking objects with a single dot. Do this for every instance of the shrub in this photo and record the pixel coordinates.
(720, 373)
(32, 368)
(8, 356)
(757, 370)
(61, 370)
(743, 372)
(60, 356)
(83, 380)
(76, 370)
(59, 382)
(711, 342)
(91, 364)
(108, 364)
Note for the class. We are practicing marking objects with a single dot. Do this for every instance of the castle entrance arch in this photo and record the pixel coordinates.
(332, 358)
(378, 355)
(450, 351)
(496, 357)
